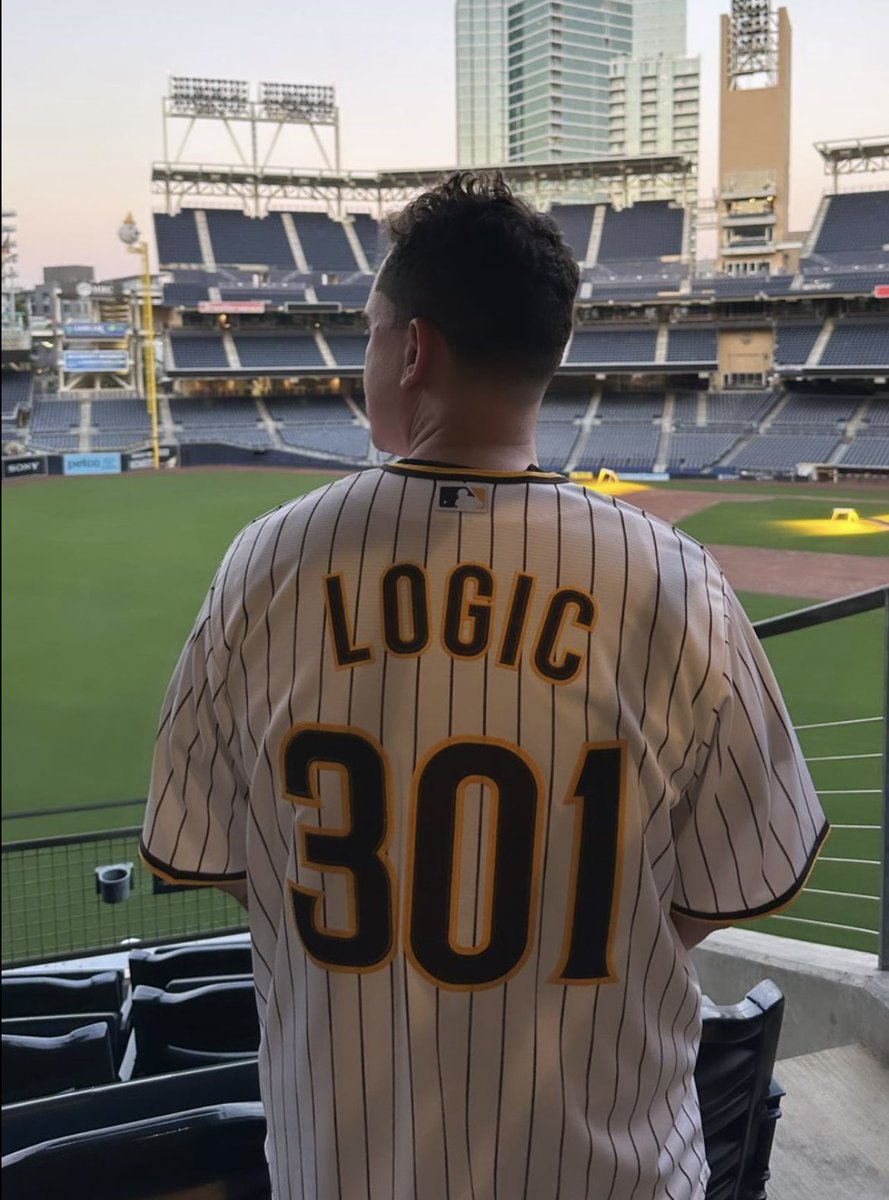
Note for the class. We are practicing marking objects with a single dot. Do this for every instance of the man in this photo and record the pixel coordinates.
(484, 754)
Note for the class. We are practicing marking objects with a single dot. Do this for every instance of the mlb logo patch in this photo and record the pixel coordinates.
(463, 497)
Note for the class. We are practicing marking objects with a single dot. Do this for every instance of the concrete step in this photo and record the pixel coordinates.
(831, 1142)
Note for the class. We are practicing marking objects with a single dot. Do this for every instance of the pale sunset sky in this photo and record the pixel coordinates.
(82, 87)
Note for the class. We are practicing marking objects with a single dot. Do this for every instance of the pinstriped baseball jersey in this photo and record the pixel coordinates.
(471, 736)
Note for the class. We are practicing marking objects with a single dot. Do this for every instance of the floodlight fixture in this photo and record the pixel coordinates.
(298, 102)
(193, 97)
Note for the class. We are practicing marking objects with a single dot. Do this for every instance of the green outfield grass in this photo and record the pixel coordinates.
(102, 580)
(759, 523)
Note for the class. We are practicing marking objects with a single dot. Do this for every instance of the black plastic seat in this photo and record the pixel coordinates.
(157, 967)
(178, 1030)
(62, 1023)
(33, 1121)
(189, 984)
(40, 1066)
(69, 992)
(217, 1149)
(739, 1100)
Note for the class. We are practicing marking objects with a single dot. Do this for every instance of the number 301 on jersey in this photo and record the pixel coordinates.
(428, 895)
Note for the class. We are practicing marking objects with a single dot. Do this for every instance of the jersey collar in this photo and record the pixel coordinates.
(428, 469)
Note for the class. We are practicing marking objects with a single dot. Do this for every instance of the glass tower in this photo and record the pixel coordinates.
(481, 82)
(659, 27)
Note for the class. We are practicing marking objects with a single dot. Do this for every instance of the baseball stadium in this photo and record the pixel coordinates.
(743, 398)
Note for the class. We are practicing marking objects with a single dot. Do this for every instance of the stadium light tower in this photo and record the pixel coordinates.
(132, 239)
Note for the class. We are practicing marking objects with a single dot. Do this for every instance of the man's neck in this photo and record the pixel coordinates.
(482, 456)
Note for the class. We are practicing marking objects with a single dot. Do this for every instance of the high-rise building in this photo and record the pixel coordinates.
(532, 77)
(481, 82)
(558, 55)
(655, 109)
(659, 27)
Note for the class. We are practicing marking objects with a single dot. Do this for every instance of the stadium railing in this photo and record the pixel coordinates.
(52, 909)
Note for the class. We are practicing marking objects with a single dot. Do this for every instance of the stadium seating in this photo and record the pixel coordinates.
(159, 966)
(121, 414)
(630, 406)
(858, 343)
(575, 222)
(739, 409)
(698, 451)
(201, 413)
(311, 409)
(324, 243)
(843, 282)
(247, 241)
(855, 223)
(176, 1031)
(782, 452)
(347, 349)
(620, 447)
(273, 296)
(369, 235)
(612, 346)
(38, 1066)
(877, 416)
(813, 410)
(647, 230)
(177, 239)
(16, 391)
(185, 295)
(351, 442)
(739, 1100)
(555, 440)
(794, 342)
(213, 1151)
(56, 441)
(30, 995)
(558, 407)
(196, 352)
(256, 438)
(349, 295)
(34, 1121)
(275, 352)
(870, 451)
(685, 409)
(692, 345)
(55, 416)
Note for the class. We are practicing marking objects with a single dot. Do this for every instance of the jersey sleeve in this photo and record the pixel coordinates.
(750, 826)
(195, 822)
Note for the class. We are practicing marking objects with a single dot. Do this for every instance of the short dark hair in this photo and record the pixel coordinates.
(494, 276)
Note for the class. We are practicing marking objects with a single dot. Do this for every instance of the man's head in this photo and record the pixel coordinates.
(475, 293)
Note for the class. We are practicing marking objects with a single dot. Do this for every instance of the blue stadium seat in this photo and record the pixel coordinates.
(196, 352)
(869, 451)
(612, 346)
(324, 243)
(175, 1031)
(783, 452)
(239, 240)
(350, 442)
(278, 352)
(794, 342)
(177, 239)
(158, 967)
(348, 349)
(698, 451)
(692, 345)
(370, 236)
(856, 223)
(40, 1066)
(739, 1103)
(620, 447)
(33, 1121)
(630, 407)
(212, 1151)
(858, 343)
(575, 222)
(312, 410)
(27, 995)
(650, 229)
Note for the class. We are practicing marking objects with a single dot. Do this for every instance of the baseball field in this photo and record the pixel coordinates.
(102, 578)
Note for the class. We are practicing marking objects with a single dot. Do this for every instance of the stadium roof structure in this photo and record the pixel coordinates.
(854, 156)
(257, 188)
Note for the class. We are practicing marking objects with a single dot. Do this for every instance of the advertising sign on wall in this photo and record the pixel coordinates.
(94, 329)
(231, 306)
(19, 468)
(97, 361)
(143, 460)
(91, 464)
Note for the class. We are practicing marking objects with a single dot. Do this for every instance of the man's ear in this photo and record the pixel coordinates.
(417, 352)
